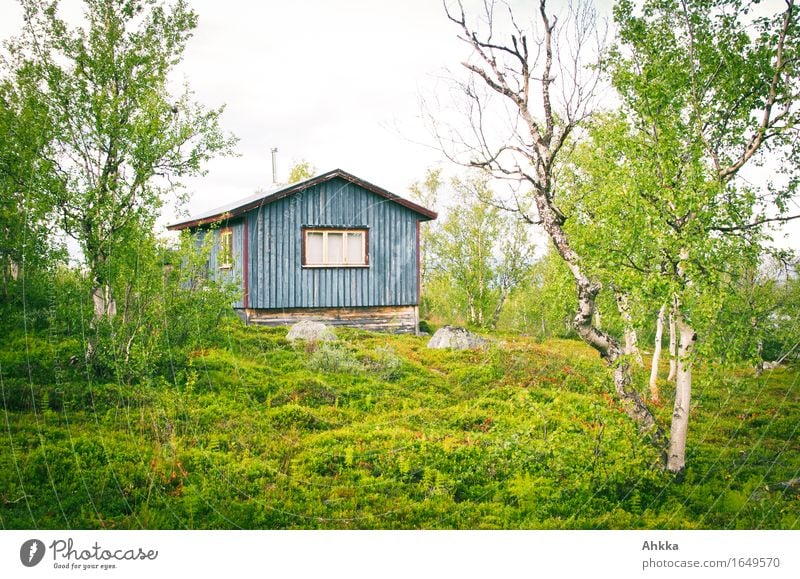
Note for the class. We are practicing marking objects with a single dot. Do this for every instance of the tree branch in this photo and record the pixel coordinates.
(766, 120)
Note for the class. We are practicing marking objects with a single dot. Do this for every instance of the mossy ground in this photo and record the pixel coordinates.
(377, 431)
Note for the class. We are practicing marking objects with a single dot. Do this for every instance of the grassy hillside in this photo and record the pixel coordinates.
(380, 432)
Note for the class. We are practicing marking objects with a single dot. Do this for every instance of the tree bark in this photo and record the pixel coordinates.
(676, 460)
(605, 344)
(760, 361)
(498, 309)
(673, 345)
(654, 393)
(471, 304)
(631, 341)
(104, 304)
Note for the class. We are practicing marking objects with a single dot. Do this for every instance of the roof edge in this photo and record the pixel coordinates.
(298, 187)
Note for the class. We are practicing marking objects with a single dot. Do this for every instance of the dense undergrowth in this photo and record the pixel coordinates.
(377, 431)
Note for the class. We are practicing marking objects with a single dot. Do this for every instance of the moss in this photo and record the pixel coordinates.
(256, 432)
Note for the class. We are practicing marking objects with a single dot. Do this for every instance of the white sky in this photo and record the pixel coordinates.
(334, 82)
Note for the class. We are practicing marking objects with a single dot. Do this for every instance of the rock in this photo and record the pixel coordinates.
(792, 486)
(311, 331)
(457, 339)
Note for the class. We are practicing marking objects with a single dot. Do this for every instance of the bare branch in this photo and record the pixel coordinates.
(754, 224)
(767, 120)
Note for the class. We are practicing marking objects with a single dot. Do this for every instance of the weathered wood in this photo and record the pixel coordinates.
(394, 319)
(278, 287)
(278, 278)
(235, 274)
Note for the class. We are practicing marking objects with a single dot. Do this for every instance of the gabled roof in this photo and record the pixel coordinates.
(254, 201)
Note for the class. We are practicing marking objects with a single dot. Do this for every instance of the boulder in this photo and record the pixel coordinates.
(311, 331)
(457, 339)
(792, 486)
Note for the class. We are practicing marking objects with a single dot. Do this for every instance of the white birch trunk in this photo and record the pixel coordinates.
(607, 346)
(673, 345)
(104, 303)
(499, 308)
(632, 346)
(631, 342)
(676, 458)
(654, 393)
(760, 362)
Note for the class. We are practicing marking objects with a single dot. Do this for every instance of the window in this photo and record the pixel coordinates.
(225, 256)
(333, 247)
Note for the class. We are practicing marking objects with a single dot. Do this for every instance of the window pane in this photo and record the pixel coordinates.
(225, 249)
(335, 248)
(313, 248)
(355, 248)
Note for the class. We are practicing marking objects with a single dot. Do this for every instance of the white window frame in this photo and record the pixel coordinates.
(326, 261)
(227, 232)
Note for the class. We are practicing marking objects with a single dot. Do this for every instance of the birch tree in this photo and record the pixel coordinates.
(673, 345)
(483, 252)
(707, 89)
(529, 89)
(25, 232)
(120, 140)
(426, 193)
(655, 395)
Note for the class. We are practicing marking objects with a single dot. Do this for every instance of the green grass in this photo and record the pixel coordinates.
(377, 431)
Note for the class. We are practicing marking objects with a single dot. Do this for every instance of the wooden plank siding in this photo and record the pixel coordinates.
(276, 287)
(235, 274)
(277, 278)
(397, 319)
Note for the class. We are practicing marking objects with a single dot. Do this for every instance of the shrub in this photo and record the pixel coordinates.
(385, 363)
(332, 357)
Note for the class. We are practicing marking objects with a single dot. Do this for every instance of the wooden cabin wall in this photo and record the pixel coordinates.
(234, 275)
(277, 278)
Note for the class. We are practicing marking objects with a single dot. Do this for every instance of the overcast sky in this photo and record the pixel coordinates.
(334, 82)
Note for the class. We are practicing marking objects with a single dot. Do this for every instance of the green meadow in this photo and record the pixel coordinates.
(376, 431)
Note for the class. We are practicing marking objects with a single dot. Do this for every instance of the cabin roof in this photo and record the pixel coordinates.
(235, 208)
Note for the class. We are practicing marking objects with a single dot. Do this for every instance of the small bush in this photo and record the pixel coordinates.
(329, 357)
(385, 363)
(427, 327)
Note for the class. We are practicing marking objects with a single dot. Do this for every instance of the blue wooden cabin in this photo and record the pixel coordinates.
(333, 248)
